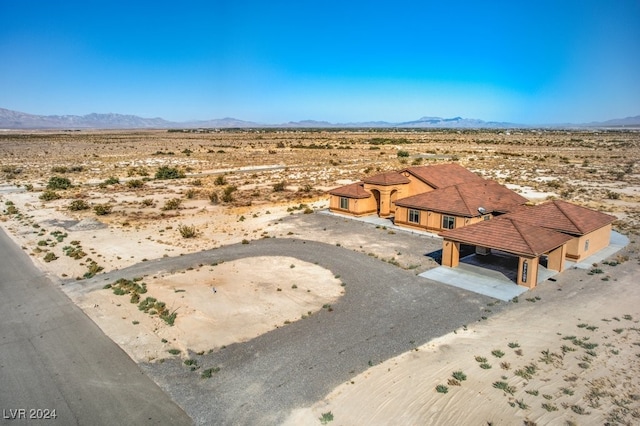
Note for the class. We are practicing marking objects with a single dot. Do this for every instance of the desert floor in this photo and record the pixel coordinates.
(556, 357)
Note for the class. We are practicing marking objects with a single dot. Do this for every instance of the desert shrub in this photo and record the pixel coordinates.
(112, 180)
(102, 209)
(77, 205)
(306, 188)
(135, 184)
(49, 195)
(220, 180)
(49, 257)
(59, 169)
(206, 374)
(459, 375)
(11, 209)
(403, 154)
(191, 193)
(92, 269)
(227, 195)
(172, 204)
(213, 197)
(188, 231)
(503, 386)
(147, 202)
(197, 182)
(166, 172)
(612, 195)
(279, 187)
(57, 182)
(442, 389)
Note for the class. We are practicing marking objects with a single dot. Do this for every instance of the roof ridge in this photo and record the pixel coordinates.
(558, 205)
(411, 171)
(463, 198)
(516, 224)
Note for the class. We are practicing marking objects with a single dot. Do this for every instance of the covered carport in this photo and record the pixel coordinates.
(527, 242)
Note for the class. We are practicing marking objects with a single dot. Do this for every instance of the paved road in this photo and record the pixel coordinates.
(52, 356)
(385, 311)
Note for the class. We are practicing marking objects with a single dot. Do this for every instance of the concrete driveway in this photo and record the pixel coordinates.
(385, 311)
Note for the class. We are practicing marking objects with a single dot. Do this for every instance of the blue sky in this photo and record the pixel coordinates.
(527, 62)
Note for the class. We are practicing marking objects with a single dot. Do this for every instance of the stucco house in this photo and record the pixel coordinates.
(379, 193)
(467, 209)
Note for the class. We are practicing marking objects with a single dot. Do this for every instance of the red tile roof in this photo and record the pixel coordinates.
(509, 235)
(466, 199)
(564, 217)
(443, 175)
(387, 179)
(354, 190)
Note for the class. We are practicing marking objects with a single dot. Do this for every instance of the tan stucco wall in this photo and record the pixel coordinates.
(532, 271)
(555, 258)
(388, 194)
(598, 240)
(450, 253)
(357, 206)
(430, 221)
(416, 186)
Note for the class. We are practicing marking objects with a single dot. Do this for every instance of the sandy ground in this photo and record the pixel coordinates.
(574, 387)
(256, 295)
(217, 305)
(568, 383)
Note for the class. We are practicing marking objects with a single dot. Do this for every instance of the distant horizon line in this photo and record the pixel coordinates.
(425, 121)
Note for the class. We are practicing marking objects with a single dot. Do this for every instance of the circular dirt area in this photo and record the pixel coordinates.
(216, 305)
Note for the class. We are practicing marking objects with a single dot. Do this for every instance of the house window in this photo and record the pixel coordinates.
(344, 203)
(486, 217)
(414, 216)
(448, 222)
(586, 245)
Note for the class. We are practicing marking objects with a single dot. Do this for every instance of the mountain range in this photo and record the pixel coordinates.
(19, 120)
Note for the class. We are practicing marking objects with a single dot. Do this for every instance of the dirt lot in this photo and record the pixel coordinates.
(116, 199)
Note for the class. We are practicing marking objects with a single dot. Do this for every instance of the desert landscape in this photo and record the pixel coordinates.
(87, 204)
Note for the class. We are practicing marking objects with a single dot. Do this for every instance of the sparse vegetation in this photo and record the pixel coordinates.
(77, 205)
(57, 182)
(102, 209)
(166, 172)
(187, 231)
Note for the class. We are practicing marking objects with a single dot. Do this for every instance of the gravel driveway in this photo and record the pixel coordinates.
(385, 311)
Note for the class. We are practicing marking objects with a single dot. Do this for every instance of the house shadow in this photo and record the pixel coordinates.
(498, 261)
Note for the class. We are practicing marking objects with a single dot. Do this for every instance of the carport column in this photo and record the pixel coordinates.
(385, 202)
(555, 258)
(450, 253)
(527, 271)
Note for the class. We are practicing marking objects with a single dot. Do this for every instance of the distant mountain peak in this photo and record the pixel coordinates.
(19, 120)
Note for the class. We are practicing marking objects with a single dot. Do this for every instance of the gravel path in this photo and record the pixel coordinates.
(385, 311)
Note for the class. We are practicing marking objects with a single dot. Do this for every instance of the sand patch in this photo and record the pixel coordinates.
(585, 358)
(216, 305)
